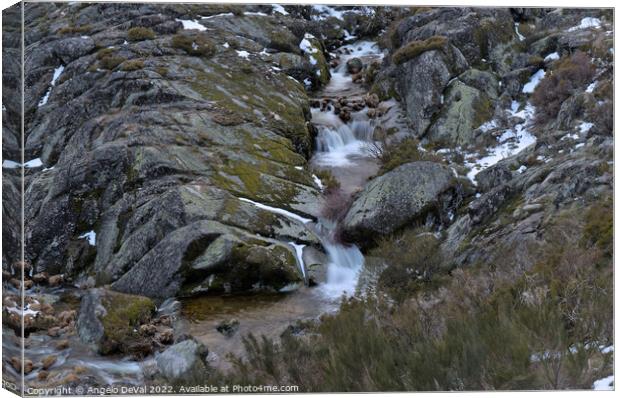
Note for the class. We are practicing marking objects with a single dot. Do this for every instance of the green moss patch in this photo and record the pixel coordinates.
(415, 48)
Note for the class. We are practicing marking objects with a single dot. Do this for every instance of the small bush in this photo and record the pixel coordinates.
(131, 65)
(568, 75)
(110, 61)
(415, 48)
(412, 258)
(193, 45)
(140, 33)
(603, 118)
(393, 154)
(599, 228)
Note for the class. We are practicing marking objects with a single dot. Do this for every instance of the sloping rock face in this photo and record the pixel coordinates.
(421, 82)
(151, 124)
(11, 134)
(396, 199)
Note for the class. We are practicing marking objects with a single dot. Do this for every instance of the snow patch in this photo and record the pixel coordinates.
(584, 127)
(591, 87)
(277, 8)
(318, 182)
(224, 14)
(31, 164)
(511, 142)
(605, 383)
(519, 35)
(10, 164)
(534, 80)
(552, 57)
(55, 77)
(91, 236)
(243, 54)
(587, 23)
(191, 24)
(276, 210)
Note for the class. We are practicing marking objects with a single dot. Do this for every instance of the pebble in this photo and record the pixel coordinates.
(48, 361)
(55, 280)
(62, 344)
(40, 277)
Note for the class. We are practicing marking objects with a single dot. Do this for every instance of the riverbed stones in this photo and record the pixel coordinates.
(400, 198)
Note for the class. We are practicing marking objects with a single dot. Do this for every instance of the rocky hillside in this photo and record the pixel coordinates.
(167, 153)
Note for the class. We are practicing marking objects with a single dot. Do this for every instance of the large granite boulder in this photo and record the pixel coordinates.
(400, 198)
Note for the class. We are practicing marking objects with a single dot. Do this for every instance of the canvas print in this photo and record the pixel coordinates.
(274, 198)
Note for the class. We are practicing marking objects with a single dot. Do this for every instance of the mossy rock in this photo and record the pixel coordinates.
(110, 321)
(466, 108)
(417, 47)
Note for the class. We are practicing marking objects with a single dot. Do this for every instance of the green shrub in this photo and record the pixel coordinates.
(194, 45)
(140, 33)
(131, 65)
(412, 258)
(415, 48)
(599, 228)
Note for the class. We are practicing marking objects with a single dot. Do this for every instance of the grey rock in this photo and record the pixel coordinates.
(422, 95)
(465, 109)
(354, 65)
(183, 362)
(493, 176)
(399, 198)
(489, 203)
(70, 49)
(89, 326)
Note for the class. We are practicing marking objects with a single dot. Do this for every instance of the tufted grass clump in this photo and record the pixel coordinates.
(110, 61)
(132, 65)
(415, 48)
(193, 45)
(140, 33)
(72, 29)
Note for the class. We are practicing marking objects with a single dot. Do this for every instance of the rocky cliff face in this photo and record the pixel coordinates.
(151, 123)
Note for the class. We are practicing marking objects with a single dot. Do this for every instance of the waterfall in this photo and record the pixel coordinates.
(341, 146)
(345, 264)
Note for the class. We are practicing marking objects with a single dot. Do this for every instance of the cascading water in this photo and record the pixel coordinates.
(342, 148)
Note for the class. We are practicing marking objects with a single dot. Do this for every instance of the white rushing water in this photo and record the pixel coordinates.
(340, 147)
(343, 269)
